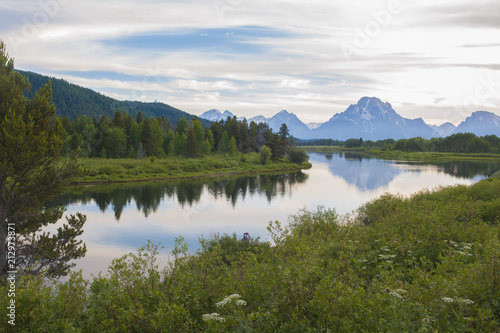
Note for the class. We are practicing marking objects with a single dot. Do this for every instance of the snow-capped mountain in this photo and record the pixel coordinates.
(258, 119)
(371, 119)
(295, 126)
(480, 123)
(313, 125)
(445, 129)
(216, 115)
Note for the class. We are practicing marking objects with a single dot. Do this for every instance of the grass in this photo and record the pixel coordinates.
(97, 170)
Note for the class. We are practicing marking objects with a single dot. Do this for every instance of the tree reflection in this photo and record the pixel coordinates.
(148, 196)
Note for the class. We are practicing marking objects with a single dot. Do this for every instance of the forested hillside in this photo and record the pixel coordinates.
(73, 101)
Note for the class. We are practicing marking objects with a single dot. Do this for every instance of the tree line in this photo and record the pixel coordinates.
(124, 136)
(455, 143)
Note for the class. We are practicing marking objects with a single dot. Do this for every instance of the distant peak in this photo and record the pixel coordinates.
(283, 112)
(365, 100)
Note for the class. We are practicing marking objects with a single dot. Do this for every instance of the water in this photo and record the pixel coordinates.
(123, 217)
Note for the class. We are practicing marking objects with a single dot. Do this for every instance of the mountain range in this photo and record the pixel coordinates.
(371, 119)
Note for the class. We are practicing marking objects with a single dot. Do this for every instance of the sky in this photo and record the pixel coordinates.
(433, 59)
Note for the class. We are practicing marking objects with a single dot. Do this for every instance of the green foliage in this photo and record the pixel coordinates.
(297, 156)
(31, 139)
(265, 155)
(428, 262)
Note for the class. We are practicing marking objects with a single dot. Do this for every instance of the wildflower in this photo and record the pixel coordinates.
(223, 302)
(241, 302)
(233, 296)
(212, 316)
(464, 301)
(448, 299)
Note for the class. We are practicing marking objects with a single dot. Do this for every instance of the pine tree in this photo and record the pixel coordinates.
(31, 174)
(192, 148)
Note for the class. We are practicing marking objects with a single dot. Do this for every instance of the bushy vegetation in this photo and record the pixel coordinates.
(427, 263)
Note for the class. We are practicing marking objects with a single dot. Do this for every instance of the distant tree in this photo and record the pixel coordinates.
(118, 140)
(139, 118)
(118, 119)
(182, 126)
(224, 143)
(192, 147)
(168, 143)
(30, 174)
(232, 149)
(179, 143)
(210, 139)
(148, 138)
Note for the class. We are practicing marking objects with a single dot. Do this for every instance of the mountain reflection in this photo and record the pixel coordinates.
(148, 196)
(369, 174)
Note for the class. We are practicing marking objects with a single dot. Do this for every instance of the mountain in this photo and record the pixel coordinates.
(314, 125)
(480, 123)
(371, 119)
(258, 119)
(73, 101)
(445, 129)
(216, 115)
(295, 126)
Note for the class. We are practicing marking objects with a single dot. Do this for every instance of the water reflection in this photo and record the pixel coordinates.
(149, 196)
(370, 174)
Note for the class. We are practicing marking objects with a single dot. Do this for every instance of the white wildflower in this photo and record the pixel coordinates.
(241, 302)
(233, 296)
(448, 299)
(464, 301)
(223, 302)
(212, 316)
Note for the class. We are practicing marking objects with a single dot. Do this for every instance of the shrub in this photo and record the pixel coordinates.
(298, 156)
(265, 155)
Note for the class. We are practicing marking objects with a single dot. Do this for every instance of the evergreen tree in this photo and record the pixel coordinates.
(210, 140)
(192, 148)
(182, 126)
(148, 139)
(231, 147)
(168, 143)
(224, 143)
(30, 174)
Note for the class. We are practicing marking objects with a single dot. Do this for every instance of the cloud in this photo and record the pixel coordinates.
(261, 56)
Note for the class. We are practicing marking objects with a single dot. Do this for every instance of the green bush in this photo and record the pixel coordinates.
(265, 155)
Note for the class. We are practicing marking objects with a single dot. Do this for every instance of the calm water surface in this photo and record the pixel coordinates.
(122, 217)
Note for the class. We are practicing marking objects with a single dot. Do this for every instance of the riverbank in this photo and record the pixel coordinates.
(424, 263)
(405, 156)
(97, 170)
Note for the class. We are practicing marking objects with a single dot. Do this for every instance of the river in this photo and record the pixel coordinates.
(123, 217)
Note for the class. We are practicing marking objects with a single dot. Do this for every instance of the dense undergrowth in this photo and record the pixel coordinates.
(428, 263)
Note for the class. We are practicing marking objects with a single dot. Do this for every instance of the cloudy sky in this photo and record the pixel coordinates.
(434, 59)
